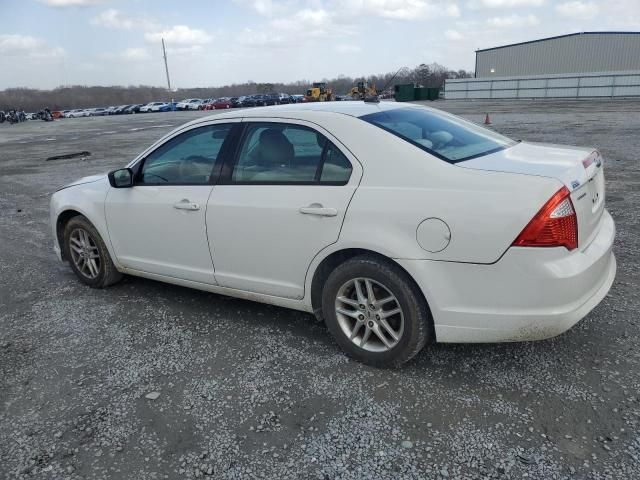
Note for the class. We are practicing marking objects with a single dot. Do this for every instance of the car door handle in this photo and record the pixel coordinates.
(317, 209)
(186, 205)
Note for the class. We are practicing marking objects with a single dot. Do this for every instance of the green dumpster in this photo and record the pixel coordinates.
(404, 92)
(426, 93)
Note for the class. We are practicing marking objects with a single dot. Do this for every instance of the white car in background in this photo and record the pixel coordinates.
(396, 224)
(78, 112)
(155, 107)
(190, 104)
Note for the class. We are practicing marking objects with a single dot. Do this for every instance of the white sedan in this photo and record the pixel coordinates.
(78, 112)
(190, 104)
(397, 225)
(155, 107)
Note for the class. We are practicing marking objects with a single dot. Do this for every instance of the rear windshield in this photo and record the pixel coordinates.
(446, 136)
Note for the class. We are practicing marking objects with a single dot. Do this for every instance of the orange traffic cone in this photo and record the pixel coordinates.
(487, 120)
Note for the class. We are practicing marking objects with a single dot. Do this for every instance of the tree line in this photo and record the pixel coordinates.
(79, 96)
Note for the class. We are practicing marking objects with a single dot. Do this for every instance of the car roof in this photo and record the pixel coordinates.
(353, 108)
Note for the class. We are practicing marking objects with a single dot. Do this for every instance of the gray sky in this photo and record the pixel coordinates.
(46, 43)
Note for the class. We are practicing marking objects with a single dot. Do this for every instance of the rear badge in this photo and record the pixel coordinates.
(575, 184)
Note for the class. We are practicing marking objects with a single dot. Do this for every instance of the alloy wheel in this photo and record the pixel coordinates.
(84, 253)
(369, 314)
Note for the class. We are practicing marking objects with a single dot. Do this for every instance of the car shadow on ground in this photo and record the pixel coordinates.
(439, 359)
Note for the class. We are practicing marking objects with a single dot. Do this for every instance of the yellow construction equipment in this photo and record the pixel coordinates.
(362, 90)
(318, 93)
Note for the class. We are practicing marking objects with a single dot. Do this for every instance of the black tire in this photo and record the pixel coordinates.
(418, 323)
(107, 272)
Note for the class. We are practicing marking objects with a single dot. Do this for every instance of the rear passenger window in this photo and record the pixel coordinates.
(278, 153)
(336, 168)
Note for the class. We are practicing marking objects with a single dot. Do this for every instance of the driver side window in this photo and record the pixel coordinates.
(187, 159)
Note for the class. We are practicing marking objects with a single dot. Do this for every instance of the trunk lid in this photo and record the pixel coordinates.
(579, 169)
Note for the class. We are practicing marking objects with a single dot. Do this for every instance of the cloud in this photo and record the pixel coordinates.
(401, 9)
(112, 18)
(135, 54)
(478, 4)
(266, 8)
(115, 19)
(513, 21)
(452, 35)
(348, 49)
(180, 36)
(578, 10)
(252, 38)
(314, 22)
(26, 46)
(302, 27)
(70, 3)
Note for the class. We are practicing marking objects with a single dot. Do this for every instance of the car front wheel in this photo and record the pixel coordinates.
(88, 254)
(375, 312)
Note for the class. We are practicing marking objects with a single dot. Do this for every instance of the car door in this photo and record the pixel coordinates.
(158, 225)
(280, 200)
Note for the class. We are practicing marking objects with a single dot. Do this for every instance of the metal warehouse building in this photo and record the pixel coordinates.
(588, 64)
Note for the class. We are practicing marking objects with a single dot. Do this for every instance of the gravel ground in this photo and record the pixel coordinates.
(150, 381)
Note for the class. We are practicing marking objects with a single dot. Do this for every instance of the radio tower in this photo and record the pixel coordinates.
(166, 65)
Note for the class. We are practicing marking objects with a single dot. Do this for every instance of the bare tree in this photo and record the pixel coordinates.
(79, 96)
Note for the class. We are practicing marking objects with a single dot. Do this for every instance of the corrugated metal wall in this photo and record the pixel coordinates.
(580, 53)
(612, 84)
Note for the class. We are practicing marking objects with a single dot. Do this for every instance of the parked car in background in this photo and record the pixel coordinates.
(78, 112)
(207, 101)
(190, 104)
(297, 98)
(273, 99)
(98, 112)
(155, 107)
(222, 103)
(163, 107)
(135, 108)
(263, 100)
(285, 98)
(110, 110)
(248, 101)
(235, 102)
(120, 109)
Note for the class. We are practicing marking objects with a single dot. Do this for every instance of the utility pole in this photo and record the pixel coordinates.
(166, 65)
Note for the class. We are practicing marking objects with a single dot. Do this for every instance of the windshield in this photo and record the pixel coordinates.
(446, 136)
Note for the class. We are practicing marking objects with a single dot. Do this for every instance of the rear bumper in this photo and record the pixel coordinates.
(529, 294)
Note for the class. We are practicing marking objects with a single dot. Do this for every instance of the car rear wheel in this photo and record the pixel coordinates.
(375, 312)
(88, 254)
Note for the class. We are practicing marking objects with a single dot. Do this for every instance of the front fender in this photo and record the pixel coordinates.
(88, 200)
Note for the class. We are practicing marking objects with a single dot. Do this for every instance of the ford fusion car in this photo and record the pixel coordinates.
(397, 225)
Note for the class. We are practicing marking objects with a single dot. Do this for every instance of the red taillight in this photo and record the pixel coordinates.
(555, 225)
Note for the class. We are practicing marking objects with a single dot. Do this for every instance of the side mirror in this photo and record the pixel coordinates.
(122, 178)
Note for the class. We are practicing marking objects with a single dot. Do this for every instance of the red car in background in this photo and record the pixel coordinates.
(219, 103)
